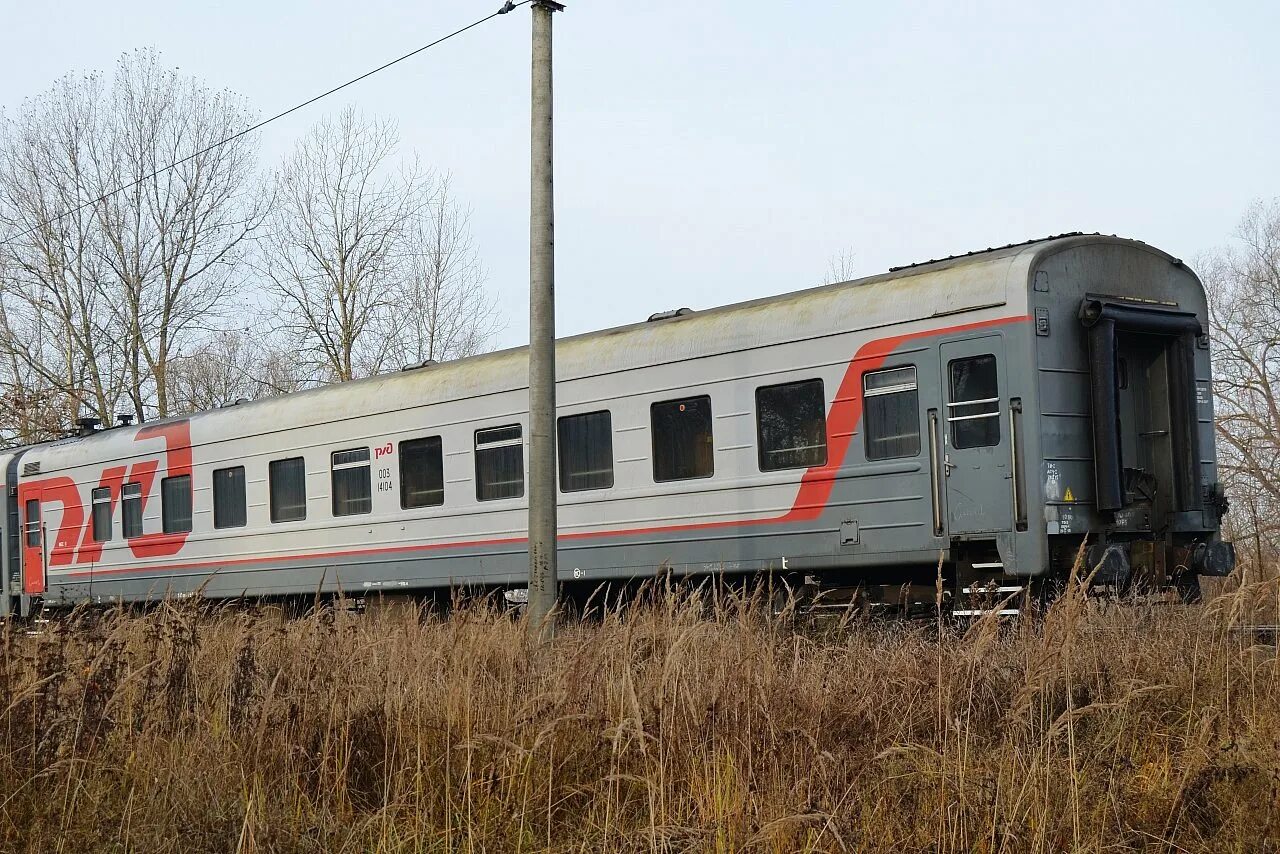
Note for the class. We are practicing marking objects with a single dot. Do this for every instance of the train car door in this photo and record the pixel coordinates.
(976, 439)
(33, 557)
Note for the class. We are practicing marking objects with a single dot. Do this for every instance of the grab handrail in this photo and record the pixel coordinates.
(935, 478)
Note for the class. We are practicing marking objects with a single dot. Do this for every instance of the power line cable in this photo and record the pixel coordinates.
(506, 7)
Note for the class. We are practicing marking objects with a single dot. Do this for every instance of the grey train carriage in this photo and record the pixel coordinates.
(990, 412)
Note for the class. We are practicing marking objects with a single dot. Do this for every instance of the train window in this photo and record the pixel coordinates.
(585, 446)
(229, 505)
(101, 498)
(175, 504)
(288, 489)
(891, 404)
(682, 442)
(421, 473)
(499, 463)
(33, 523)
(131, 510)
(352, 488)
(974, 409)
(791, 425)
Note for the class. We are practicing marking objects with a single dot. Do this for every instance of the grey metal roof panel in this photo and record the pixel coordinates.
(992, 249)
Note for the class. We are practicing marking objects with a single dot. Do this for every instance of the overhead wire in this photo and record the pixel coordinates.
(507, 6)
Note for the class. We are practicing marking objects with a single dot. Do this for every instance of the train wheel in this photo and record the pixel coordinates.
(790, 596)
(1188, 586)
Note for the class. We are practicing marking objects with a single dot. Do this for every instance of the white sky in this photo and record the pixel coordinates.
(709, 152)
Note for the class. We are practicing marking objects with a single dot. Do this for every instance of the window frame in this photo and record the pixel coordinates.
(31, 522)
(96, 500)
(166, 526)
(242, 496)
(127, 503)
(353, 464)
(561, 458)
(271, 489)
(900, 388)
(952, 404)
(653, 436)
(760, 437)
(517, 441)
(404, 480)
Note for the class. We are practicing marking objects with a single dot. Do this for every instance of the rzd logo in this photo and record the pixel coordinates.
(73, 542)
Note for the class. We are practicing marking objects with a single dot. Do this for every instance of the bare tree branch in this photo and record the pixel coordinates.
(372, 267)
(1243, 282)
(97, 304)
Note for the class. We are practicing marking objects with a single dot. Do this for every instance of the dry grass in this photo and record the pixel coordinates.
(683, 726)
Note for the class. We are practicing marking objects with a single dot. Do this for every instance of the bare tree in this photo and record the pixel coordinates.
(332, 252)
(98, 301)
(119, 276)
(372, 263)
(173, 243)
(233, 365)
(840, 268)
(26, 415)
(1243, 282)
(445, 311)
(52, 339)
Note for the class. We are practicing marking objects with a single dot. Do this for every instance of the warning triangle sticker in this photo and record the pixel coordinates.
(1068, 496)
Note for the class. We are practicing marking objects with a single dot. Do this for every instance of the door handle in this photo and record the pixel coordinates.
(947, 464)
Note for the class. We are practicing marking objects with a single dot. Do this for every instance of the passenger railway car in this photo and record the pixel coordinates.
(991, 412)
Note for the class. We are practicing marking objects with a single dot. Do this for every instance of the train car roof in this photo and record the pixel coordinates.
(945, 286)
(7, 455)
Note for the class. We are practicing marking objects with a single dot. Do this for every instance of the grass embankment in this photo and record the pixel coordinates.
(684, 726)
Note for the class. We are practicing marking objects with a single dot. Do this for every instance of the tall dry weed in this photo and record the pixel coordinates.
(697, 721)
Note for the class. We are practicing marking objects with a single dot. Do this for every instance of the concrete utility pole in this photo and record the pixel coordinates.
(542, 337)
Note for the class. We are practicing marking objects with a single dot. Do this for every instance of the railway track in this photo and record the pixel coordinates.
(1263, 634)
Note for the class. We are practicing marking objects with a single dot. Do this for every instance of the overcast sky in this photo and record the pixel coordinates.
(709, 152)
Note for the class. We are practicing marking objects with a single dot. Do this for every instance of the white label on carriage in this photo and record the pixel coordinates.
(1052, 481)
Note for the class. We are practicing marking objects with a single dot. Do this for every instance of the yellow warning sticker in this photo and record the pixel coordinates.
(1068, 496)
